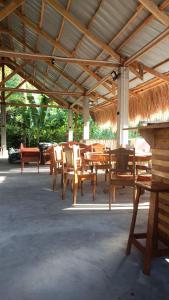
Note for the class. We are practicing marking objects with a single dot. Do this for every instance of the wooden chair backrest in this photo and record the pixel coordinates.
(97, 147)
(57, 154)
(72, 157)
(124, 160)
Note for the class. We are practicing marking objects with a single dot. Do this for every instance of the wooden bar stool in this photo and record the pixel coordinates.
(151, 248)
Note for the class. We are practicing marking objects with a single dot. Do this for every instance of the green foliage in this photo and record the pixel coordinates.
(41, 124)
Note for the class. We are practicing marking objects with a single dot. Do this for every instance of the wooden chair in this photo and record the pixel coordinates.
(98, 148)
(73, 169)
(56, 164)
(122, 172)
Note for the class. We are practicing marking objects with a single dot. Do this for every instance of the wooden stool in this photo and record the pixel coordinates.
(151, 247)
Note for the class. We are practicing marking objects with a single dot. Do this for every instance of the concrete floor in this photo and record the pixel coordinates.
(49, 250)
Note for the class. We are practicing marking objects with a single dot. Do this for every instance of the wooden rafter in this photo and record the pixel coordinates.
(9, 8)
(60, 31)
(147, 47)
(18, 86)
(33, 81)
(140, 8)
(69, 17)
(12, 73)
(98, 84)
(141, 26)
(156, 73)
(53, 42)
(153, 8)
(40, 26)
(81, 39)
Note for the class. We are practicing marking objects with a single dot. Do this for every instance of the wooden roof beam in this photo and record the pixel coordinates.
(74, 21)
(57, 44)
(145, 22)
(155, 11)
(9, 8)
(13, 73)
(39, 91)
(156, 73)
(33, 81)
(27, 105)
(147, 47)
(18, 86)
(53, 59)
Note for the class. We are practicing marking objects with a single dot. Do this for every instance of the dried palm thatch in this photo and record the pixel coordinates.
(143, 106)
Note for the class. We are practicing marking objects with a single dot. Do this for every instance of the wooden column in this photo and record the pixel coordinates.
(86, 116)
(3, 114)
(122, 109)
(70, 126)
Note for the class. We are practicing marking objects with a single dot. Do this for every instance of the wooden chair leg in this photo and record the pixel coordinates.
(81, 187)
(75, 190)
(94, 187)
(110, 197)
(133, 221)
(65, 181)
(96, 175)
(151, 233)
(22, 167)
(114, 193)
(54, 179)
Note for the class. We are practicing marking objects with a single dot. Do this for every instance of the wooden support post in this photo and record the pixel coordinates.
(70, 126)
(3, 114)
(86, 118)
(122, 110)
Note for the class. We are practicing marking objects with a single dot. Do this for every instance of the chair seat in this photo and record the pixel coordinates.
(144, 177)
(154, 186)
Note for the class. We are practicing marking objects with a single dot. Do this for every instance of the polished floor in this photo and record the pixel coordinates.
(51, 250)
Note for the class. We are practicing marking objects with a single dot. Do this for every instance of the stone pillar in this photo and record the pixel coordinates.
(3, 115)
(70, 126)
(86, 116)
(122, 108)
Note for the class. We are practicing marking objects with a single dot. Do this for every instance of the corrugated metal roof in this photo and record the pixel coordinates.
(52, 21)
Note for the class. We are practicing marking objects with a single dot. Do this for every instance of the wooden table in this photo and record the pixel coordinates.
(29, 155)
(94, 157)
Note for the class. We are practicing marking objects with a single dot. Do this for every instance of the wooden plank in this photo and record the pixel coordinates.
(40, 91)
(163, 218)
(159, 162)
(163, 228)
(74, 21)
(147, 47)
(27, 104)
(164, 152)
(9, 8)
(35, 56)
(161, 174)
(153, 8)
(164, 207)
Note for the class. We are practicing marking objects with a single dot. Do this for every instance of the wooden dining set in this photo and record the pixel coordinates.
(77, 162)
(80, 162)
